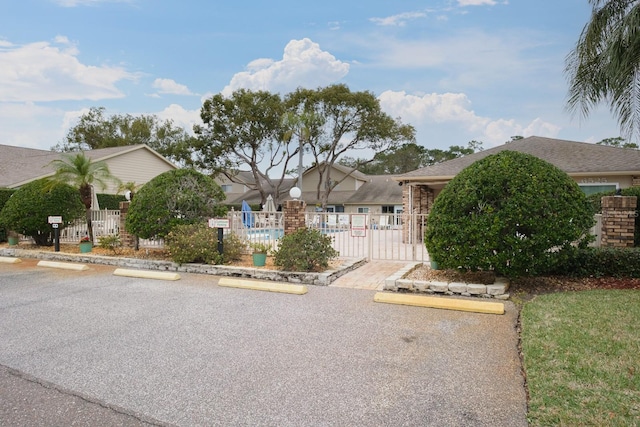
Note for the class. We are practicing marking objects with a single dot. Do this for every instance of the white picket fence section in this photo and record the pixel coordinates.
(374, 236)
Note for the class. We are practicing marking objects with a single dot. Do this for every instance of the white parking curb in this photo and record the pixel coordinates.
(145, 274)
(63, 265)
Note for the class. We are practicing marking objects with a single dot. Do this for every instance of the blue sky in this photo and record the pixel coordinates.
(457, 70)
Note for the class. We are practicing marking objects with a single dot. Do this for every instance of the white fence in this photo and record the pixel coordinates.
(374, 236)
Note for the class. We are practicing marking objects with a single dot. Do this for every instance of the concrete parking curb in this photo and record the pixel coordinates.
(145, 274)
(262, 286)
(440, 302)
(63, 265)
(9, 260)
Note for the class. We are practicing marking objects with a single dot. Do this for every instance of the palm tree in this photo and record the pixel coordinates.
(80, 171)
(605, 64)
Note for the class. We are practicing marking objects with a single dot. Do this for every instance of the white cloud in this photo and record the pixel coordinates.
(169, 86)
(181, 116)
(399, 20)
(303, 64)
(453, 110)
(29, 125)
(44, 72)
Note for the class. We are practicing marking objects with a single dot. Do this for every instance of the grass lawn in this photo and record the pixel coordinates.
(581, 355)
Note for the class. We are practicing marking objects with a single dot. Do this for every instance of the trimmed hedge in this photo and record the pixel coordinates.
(602, 262)
(110, 201)
(5, 193)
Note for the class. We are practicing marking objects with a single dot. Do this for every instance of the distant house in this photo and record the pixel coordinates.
(135, 163)
(357, 193)
(594, 167)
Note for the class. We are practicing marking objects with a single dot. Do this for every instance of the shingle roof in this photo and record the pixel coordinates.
(570, 156)
(19, 165)
(379, 189)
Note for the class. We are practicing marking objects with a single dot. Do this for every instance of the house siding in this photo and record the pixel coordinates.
(139, 166)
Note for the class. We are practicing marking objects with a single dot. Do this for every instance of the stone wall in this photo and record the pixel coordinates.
(618, 221)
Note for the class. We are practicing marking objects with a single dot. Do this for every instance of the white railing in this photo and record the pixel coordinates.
(257, 227)
(105, 222)
(373, 235)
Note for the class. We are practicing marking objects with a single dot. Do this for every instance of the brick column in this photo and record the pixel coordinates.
(128, 240)
(635, 181)
(293, 212)
(618, 220)
(421, 200)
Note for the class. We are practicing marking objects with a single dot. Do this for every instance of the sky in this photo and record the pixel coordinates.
(457, 70)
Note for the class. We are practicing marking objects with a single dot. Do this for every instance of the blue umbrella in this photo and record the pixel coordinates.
(247, 215)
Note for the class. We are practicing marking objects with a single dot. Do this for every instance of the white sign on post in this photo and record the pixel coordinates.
(54, 219)
(219, 223)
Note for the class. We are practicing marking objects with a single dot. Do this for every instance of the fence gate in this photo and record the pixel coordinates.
(375, 236)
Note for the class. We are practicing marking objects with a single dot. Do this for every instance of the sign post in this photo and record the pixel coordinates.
(220, 224)
(55, 222)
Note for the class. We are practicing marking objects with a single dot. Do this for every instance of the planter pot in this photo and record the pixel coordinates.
(434, 265)
(85, 247)
(259, 260)
(13, 241)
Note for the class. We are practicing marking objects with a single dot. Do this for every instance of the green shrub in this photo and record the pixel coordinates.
(27, 211)
(193, 243)
(5, 193)
(602, 262)
(304, 250)
(110, 201)
(233, 248)
(181, 196)
(111, 242)
(509, 212)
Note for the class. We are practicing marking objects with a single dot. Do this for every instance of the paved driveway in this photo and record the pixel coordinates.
(191, 353)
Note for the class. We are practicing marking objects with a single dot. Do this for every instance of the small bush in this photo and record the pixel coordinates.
(602, 262)
(304, 250)
(112, 243)
(188, 243)
(233, 248)
(5, 193)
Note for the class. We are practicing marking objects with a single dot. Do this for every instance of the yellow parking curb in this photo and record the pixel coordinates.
(255, 285)
(144, 274)
(440, 302)
(9, 260)
(63, 265)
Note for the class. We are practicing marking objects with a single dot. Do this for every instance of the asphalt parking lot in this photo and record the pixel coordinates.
(190, 353)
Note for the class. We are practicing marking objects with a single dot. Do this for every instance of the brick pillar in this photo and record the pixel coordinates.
(128, 240)
(293, 212)
(420, 199)
(635, 181)
(618, 220)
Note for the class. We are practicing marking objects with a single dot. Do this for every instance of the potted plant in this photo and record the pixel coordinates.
(12, 238)
(260, 251)
(85, 245)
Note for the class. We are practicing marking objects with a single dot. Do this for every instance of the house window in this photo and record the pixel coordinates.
(388, 209)
(226, 188)
(334, 208)
(363, 210)
(598, 188)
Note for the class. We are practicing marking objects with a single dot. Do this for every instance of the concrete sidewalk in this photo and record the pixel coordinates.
(370, 276)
